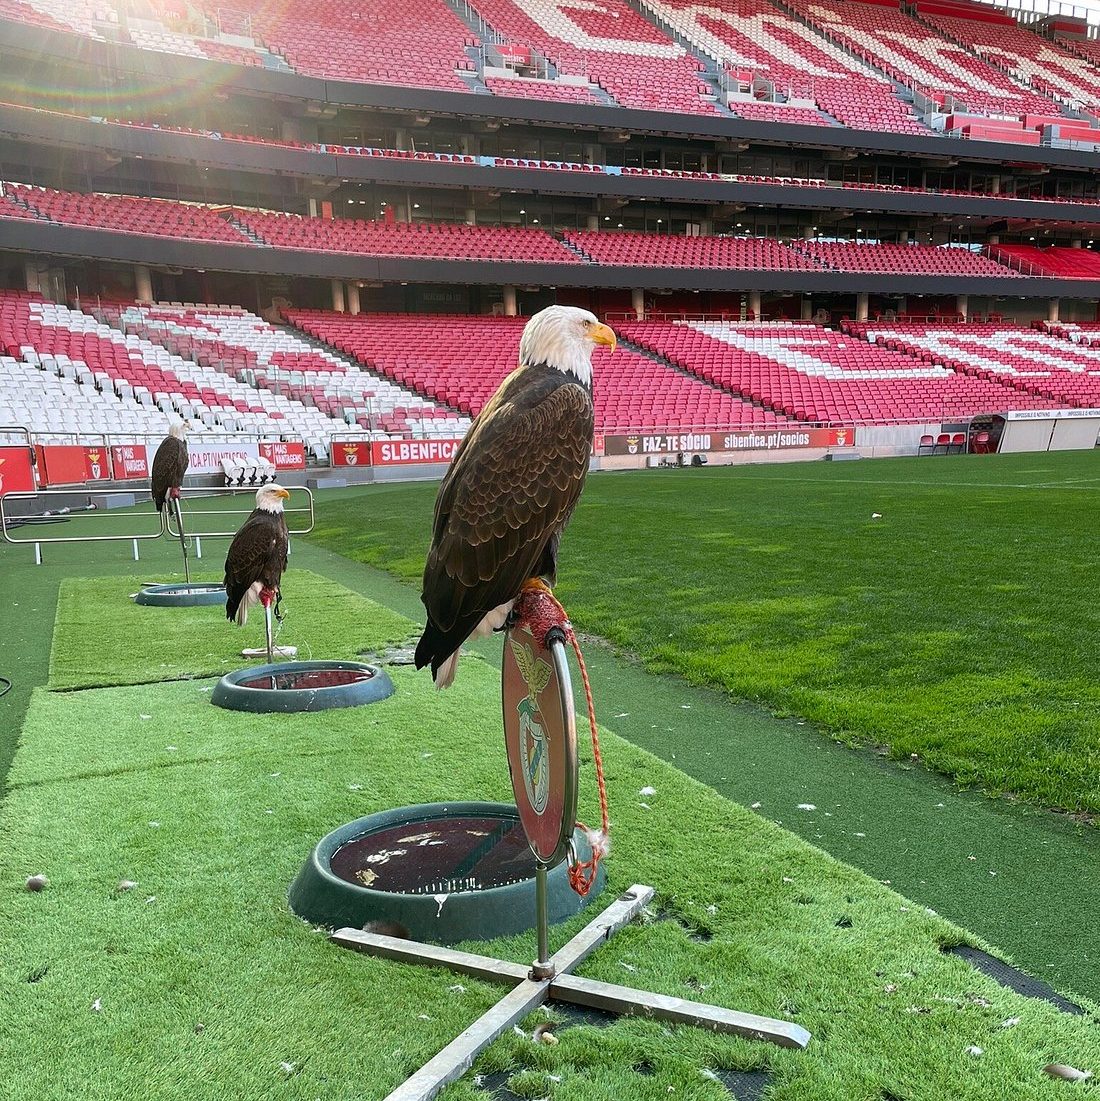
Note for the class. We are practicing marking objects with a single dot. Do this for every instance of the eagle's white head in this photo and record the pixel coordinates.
(179, 430)
(564, 337)
(271, 497)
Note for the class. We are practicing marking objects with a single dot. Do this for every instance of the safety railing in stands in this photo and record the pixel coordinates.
(8, 431)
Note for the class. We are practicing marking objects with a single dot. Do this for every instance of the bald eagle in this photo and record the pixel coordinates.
(511, 487)
(169, 466)
(257, 556)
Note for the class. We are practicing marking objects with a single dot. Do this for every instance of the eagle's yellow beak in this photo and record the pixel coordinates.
(603, 334)
(283, 494)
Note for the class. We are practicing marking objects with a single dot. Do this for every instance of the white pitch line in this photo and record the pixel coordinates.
(934, 485)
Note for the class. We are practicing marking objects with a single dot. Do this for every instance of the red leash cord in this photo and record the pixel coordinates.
(542, 612)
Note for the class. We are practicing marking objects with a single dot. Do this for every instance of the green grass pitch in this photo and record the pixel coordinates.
(103, 638)
(199, 983)
(959, 626)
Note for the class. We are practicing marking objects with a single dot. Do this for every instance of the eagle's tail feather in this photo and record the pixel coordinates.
(434, 646)
(250, 599)
(445, 673)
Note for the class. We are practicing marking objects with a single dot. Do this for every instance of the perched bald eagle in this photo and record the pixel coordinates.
(169, 466)
(511, 487)
(257, 556)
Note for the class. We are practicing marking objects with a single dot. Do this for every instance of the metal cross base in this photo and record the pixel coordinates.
(529, 992)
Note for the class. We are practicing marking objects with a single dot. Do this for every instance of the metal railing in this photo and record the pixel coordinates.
(9, 523)
(165, 523)
(9, 430)
(198, 494)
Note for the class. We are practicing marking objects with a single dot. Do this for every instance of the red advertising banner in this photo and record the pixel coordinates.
(61, 465)
(16, 472)
(97, 467)
(711, 442)
(130, 460)
(285, 456)
(351, 454)
(401, 452)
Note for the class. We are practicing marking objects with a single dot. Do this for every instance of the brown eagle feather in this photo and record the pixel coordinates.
(510, 490)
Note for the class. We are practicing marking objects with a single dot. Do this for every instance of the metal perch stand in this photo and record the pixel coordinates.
(183, 538)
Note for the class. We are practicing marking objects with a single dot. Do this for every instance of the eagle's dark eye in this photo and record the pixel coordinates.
(586, 324)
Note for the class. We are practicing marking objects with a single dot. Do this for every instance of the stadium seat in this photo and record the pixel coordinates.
(822, 375)
(461, 360)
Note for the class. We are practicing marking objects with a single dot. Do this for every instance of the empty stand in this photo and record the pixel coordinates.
(821, 375)
(451, 242)
(462, 360)
(128, 214)
(919, 56)
(502, 244)
(1037, 366)
(610, 44)
(654, 250)
(148, 384)
(902, 259)
(996, 36)
(766, 49)
(1062, 263)
(846, 52)
(415, 43)
(1079, 332)
(778, 112)
(244, 346)
(540, 89)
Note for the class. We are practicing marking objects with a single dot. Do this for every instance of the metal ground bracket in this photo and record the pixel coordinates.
(527, 994)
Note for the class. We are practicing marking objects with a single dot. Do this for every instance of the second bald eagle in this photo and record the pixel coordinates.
(511, 487)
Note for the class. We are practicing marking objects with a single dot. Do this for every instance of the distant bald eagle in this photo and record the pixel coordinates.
(511, 487)
(169, 466)
(257, 556)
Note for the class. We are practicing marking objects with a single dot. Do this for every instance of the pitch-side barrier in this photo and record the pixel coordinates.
(143, 524)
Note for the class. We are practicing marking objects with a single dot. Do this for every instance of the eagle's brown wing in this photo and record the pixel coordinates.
(258, 553)
(510, 491)
(169, 467)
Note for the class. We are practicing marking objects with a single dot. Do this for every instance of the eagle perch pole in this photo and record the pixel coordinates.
(174, 496)
(540, 735)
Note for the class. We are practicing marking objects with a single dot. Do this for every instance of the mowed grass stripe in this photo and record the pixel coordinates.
(958, 627)
(103, 638)
(205, 939)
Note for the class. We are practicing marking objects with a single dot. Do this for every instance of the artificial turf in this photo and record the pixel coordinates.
(945, 609)
(103, 638)
(205, 986)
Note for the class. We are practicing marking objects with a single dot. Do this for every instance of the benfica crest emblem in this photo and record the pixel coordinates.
(351, 454)
(541, 739)
(532, 738)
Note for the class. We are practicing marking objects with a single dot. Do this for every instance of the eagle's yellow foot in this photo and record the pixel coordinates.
(531, 588)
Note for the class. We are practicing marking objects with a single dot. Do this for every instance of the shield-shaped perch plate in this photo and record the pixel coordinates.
(541, 736)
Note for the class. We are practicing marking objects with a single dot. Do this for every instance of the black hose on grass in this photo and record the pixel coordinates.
(22, 521)
(6, 686)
